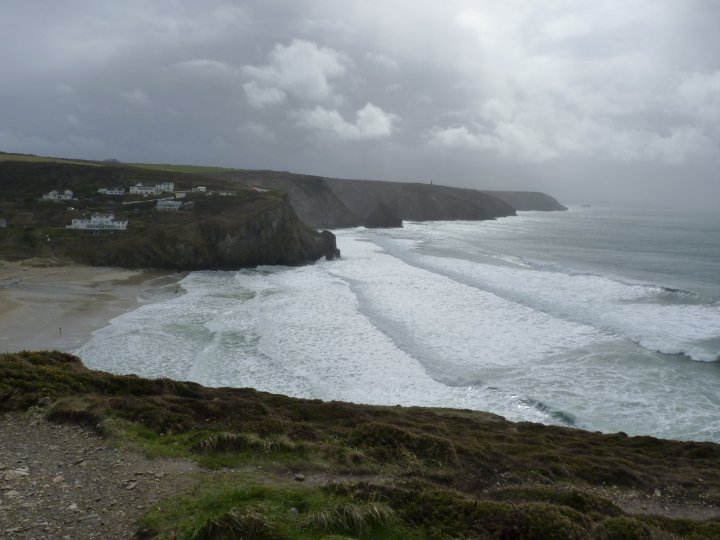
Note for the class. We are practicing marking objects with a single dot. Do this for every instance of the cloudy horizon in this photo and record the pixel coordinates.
(600, 101)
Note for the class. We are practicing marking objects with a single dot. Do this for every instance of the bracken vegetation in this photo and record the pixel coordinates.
(390, 472)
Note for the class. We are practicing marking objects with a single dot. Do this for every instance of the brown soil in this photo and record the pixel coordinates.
(76, 486)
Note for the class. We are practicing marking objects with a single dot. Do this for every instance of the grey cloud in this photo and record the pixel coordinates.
(579, 99)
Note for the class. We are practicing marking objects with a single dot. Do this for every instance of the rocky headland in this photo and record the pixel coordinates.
(234, 229)
(336, 203)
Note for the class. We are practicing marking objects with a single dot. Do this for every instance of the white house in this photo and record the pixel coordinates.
(168, 205)
(140, 189)
(112, 191)
(99, 222)
(165, 187)
(66, 195)
(200, 189)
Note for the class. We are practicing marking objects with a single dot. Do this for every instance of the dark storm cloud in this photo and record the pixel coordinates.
(585, 100)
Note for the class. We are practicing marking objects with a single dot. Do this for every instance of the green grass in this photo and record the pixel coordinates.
(402, 472)
(168, 167)
(194, 169)
(231, 506)
(42, 159)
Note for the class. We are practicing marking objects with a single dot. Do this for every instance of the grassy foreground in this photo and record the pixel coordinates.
(392, 472)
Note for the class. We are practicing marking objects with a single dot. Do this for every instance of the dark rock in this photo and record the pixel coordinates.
(383, 217)
(331, 250)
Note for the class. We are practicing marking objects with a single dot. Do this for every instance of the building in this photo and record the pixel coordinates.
(112, 191)
(99, 222)
(200, 189)
(168, 205)
(140, 189)
(161, 187)
(165, 187)
(226, 193)
(66, 195)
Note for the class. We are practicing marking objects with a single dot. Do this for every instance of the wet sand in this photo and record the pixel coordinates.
(60, 307)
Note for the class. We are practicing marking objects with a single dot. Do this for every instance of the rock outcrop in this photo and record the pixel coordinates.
(383, 217)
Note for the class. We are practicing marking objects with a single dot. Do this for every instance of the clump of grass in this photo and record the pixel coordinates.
(236, 523)
(351, 518)
(388, 442)
(228, 442)
(232, 506)
(623, 528)
(76, 411)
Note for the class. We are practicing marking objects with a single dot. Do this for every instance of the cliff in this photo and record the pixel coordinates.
(528, 200)
(419, 202)
(220, 235)
(383, 217)
(336, 203)
(310, 196)
(243, 230)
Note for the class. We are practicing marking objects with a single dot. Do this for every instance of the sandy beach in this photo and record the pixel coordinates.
(59, 307)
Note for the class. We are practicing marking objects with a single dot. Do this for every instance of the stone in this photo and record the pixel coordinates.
(300, 477)
(73, 507)
(59, 478)
(658, 493)
(17, 474)
(12, 494)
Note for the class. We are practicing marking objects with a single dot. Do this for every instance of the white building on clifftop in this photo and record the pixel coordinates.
(66, 195)
(99, 222)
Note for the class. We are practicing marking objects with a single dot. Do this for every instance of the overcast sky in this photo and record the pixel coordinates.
(591, 101)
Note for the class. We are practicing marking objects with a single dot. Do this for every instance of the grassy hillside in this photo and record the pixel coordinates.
(393, 472)
(194, 169)
(31, 158)
(228, 232)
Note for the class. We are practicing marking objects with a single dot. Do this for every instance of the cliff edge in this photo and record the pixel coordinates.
(214, 225)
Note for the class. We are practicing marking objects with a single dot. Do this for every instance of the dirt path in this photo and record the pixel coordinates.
(61, 481)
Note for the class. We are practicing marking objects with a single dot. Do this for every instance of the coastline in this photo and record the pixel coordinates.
(59, 307)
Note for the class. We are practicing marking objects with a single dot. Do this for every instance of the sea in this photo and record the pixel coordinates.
(606, 319)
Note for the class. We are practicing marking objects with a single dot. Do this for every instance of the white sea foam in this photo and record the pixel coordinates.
(391, 323)
(680, 327)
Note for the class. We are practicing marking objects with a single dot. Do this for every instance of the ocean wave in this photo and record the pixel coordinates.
(670, 321)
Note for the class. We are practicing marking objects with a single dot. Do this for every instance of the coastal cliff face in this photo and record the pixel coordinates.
(335, 203)
(419, 202)
(244, 230)
(383, 217)
(261, 230)
(310, 196)
(528, 200)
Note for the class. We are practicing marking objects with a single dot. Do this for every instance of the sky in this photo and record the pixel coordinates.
(599, 101)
